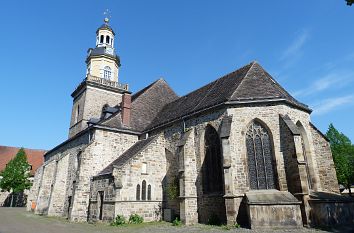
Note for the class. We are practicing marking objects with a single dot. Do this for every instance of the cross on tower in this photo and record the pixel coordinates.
(107, 15)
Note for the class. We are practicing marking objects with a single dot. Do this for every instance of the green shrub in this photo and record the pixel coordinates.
(173, 189)
(229, 227)
(135, 219)
(118, 221)
(177, 222)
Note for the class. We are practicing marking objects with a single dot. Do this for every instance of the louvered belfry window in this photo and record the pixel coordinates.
(260, 157)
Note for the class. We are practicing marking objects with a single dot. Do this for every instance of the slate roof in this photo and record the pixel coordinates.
(128, 155)
(34, 157)
(146, 103)
(249, 83)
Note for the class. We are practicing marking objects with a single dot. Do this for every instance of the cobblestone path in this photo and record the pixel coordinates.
(17, 220)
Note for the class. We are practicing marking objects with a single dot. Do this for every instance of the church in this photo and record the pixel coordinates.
(240, 150)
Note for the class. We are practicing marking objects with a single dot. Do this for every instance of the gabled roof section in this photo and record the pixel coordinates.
(34, 157)
(128, 155)
(259, 85)
(247, 84)
(146, 103)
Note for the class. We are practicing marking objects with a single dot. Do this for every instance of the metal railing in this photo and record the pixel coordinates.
(107, 82)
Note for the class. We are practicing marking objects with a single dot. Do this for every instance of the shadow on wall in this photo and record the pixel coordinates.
(18, 200)
(170, 187)
(329, 209)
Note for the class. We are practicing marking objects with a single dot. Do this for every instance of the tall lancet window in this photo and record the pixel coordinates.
(107, 73)
(260, 157)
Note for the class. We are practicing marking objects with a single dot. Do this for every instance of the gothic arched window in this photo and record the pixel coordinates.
(101, 39)
(138, 192)
(107, 73)
(107, 39)
(149, 192)
(143, 190)
(212, 166)
(260, 157)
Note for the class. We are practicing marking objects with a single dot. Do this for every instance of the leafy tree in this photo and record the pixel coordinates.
(343, 156)
(350, 2)
(15, 175)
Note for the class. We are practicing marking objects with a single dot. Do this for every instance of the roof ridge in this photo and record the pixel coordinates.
(243, 78)
(142, 91)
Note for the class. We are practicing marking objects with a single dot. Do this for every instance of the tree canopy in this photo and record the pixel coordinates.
(343, 156)
(15, 175)
(350, 2)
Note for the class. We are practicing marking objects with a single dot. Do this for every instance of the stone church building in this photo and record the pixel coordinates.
(239, 149)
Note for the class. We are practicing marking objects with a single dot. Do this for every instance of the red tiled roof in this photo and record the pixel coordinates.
(34, 157)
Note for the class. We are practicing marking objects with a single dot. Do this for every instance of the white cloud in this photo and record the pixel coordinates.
(335, 79)
(294, 49)
(332, 103)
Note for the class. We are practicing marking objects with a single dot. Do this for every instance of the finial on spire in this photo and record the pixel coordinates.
(107, 13)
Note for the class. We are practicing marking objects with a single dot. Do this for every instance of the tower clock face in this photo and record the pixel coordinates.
(109, 51)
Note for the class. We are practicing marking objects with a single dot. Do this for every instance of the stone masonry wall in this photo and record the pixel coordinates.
(56, 205)
(325, 163)
(103, 184)
(290, 159)
(46, 188)
(91, 104)
(131, 175)
(105, 147)
(33, 192)
(269, 115)
(53, 184)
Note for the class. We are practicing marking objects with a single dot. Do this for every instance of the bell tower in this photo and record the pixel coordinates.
(102, 60)
(101, 85)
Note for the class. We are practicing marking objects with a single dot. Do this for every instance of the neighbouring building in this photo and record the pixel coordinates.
(239, 149)
(35, 159)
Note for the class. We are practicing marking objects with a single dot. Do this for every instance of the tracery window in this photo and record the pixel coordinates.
(260, 157)
(138, 192)
(212, 166)
(107, 73)
(143, 191)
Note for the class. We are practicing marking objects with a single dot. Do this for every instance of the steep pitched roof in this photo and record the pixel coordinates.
(34, 157)
(146, 103)
(248, 83)
(128, 155)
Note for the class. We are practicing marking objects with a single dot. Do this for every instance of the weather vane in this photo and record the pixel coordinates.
(107, 15)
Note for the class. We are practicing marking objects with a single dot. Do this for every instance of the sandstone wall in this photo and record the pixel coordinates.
(131, 175)
(105, 147)
(91, 103)
(326, 168)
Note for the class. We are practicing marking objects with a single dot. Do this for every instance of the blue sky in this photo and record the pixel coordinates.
(307, 46)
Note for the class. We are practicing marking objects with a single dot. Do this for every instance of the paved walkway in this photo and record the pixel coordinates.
(17, 220)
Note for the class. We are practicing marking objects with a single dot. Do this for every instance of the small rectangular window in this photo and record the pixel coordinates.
(144, 168)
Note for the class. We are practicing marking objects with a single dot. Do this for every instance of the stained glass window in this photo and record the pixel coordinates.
(260, 157)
